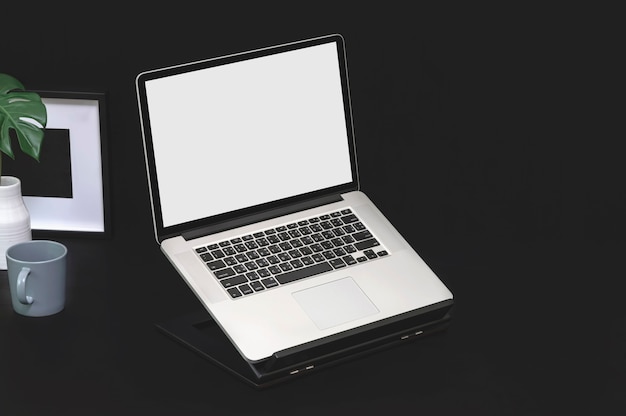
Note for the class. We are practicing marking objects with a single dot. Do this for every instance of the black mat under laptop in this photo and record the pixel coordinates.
(198, 332)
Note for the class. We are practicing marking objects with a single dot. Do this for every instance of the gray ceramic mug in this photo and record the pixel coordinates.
(37, 272)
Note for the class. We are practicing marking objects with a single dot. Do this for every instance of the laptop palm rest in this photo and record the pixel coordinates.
(335, 303)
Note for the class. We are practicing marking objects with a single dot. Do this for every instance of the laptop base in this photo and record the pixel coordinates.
(198, 332)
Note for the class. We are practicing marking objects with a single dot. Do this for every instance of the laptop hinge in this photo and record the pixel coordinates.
(262, 216)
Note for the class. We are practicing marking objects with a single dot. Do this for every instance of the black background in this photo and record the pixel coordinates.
(491, 136)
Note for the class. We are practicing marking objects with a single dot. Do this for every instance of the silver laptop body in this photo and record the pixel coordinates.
(255, 151)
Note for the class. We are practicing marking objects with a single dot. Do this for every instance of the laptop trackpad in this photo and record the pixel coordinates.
(335, 303)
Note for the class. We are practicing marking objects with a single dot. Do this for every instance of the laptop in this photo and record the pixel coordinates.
(252, 171)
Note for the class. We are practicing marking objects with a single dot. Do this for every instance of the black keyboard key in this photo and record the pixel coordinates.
(251, 265)
(362, 245)
(347, 239)
(317, 238)
(269, 282)
(349, 260)
(252, 276)
(338, 242)
(301, 273)
(316, 248)
(234, 292)
(206, 257)
(274, 269)
(348, 219)
(230, 261)
(358, 226)
(296, 264)
(336, 222)
(337, 263)
(257, 286)
(370, 254)
(223, 273)
(274, 249)
(201, 250)
(327, 245)
(318, 257)
(216, 265)
(233, 281)
(316, 228)
(245, 289)
(241, 258)
(363, 235)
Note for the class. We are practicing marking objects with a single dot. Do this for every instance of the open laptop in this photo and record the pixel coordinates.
(256, 203)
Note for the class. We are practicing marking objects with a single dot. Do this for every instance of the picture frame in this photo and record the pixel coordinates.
(71, 197)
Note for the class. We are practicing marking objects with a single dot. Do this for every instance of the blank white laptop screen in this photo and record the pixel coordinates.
(247, 133)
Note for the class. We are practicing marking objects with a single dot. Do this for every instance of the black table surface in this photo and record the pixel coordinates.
(521, 342)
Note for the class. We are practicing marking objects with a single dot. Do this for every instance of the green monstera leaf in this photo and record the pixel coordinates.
(22, 112)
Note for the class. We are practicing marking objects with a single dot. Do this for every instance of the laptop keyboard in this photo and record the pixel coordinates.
(276, 256)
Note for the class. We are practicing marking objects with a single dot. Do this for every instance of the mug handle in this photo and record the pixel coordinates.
(21, 287)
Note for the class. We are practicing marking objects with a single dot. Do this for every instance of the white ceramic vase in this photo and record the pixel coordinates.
(14, 217)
